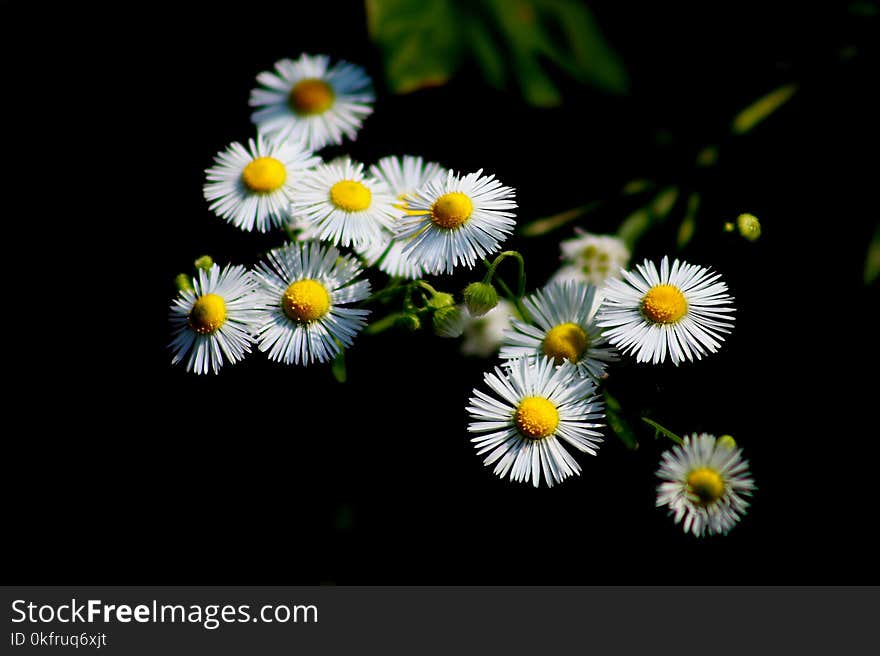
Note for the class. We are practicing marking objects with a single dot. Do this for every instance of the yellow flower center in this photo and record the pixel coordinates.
(567, 341)
(264, 174)
(311, 96)
(451, 210)
(664, 304)
(306, 300)
(207, 314)
(536, 418)
(589, 252)
(350, 195)
(706, 484)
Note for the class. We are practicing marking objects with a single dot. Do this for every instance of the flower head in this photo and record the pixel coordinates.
(592, 258)
(309, 100)
(704, 483)
(535, 409)
(682, 310)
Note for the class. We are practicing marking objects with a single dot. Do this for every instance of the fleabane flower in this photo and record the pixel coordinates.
(456, 220)
(213, 322)
(683, 310)
(305, 287)
(704, 484)
(250, 187)
(592, 258)
(403, 176)
(309, 100)
(535, 409)
(562, 327)
(483, 335)
(341, 205)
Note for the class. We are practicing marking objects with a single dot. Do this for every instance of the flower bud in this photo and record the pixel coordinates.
(183, 283)
(205, 262)
(449, 321)
(440, 300)
(480, 297)
(408, 322)
(748, 226)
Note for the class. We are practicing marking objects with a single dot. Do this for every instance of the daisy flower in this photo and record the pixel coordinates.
(304, 287)
(250, 187)
(213, 322)
(483, 335)
(682, 310)
(403, 176)
(310, 100)
(456, 220)
(704, 482)
(342, 205)
(592, 258)
(562, 328)
(538, 407)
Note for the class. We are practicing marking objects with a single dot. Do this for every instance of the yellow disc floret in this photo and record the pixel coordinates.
(264, 174)
(207, 314)
(350, 195)
(664, 304)
(451, 210)
(536, 417)
(305, 301)
(706, 484)
(567, 341)
(311, 96)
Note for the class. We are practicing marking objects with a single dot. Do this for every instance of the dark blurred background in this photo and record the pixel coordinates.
(126, 470)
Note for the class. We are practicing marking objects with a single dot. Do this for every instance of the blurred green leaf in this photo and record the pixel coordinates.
(424, 42)
(763, 107)
(872, 261)
(689, 223)
(641, 220)
(547, 224)
(337, 367)
(618, 424)
(419, 41)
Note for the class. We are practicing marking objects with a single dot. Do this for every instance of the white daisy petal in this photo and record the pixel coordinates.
(540, 407)
(304, 288)
(683, 311)
(214, 322)
(311, 101)
(592, 258)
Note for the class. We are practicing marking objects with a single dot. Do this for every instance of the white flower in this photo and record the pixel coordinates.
(704, 482)
(537, 407)
(592, 258)
(682, 310)
(482, 335)
(343, 206)
(213, 323)
(250, 187)
(310, 100)
(456, 220)
(562, 327)
(403, 176)
(304, 287)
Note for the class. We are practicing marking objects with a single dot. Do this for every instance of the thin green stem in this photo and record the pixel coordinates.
(665, 431)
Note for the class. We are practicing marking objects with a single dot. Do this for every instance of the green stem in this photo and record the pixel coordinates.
(665, 431)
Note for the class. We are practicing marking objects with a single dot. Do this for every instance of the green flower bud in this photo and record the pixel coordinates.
(183, 283)
(449, 321)
(204, 262)
(748, 226)
(480, 297)
(441, 300)
(727, 442)
(408, 322)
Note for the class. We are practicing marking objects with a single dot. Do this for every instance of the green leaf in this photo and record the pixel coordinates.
(419, 40)
(337, 367)
(641, 220)
(763, 107)
(872, 261)
(618, 424)
(689, 223)
(547, 224)
(665, 431)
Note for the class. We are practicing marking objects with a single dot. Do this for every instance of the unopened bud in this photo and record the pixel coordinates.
(480, 297)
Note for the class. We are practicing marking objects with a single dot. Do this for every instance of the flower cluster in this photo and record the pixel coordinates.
(307, 300)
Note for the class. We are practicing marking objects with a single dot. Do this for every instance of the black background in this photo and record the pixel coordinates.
(122, 469)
